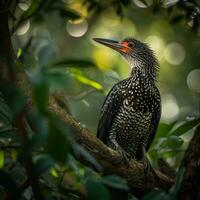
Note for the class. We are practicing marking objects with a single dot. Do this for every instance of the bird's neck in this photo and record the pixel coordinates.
(145, 75)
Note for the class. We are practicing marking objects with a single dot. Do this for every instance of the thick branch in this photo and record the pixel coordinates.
(8, 74)
(133, 172)
(191, 181)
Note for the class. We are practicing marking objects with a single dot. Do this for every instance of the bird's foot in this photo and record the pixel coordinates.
(126, 157)
(148, 169)
(147, 165)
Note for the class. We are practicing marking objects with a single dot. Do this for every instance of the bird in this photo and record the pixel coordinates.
(131, 111)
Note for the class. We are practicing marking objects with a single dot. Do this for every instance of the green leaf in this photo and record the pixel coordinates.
(74, 63)
(80, 151)
(38, 79)
(115, 182)
(43, 163)
(133, 198)
(14, 99)
(46, 54)
(1, 159)
(58, 80)
(57, 141)
(69, 13)
(96, 190)
(34, 8)
(180, 130)
(157, 195)
(174, 141)
(164, 129)
(82, 79)
(176, 187)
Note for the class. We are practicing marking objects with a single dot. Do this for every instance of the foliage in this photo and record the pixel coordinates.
(49, 142)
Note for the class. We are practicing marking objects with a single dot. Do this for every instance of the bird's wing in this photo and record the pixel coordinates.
(154, 125)
(109, 111)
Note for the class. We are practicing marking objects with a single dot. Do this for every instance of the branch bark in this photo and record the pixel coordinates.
(190, 189)
(8, 74)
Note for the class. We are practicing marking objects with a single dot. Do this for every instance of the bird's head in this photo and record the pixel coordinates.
(137, 53)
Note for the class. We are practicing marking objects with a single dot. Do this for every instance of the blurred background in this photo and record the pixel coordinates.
(62, 36)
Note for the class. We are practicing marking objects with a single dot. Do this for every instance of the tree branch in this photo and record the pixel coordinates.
(190, 188)
(8, 74)
(133, 172)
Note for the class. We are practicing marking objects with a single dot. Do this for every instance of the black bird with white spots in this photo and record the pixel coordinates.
(131, 111)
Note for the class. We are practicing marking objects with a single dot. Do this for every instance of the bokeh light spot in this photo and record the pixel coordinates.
(140, 4)
(23, 28)
(170, 108)
(77, 28)
(157, 44)
(104, 58)
(193, 80)
(174, 53)
(24, 5)
(168, 3)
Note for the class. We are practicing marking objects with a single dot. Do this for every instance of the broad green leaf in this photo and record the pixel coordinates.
(14, 99)
(58, 79)
(176, 187)
(81, 78)
(74, 63)
(46, 54)
(164, 129)
(157, 195)
(174, 141)
(34, 8)
(69, 13)
(19, 52)
(38, 79)
(115, 182)
(96, 190)
(57, 141)
(54, 173)
(133, 198)
(180, 130)
(40, 96)
(80, 151)
(1, 159)
(42, 164)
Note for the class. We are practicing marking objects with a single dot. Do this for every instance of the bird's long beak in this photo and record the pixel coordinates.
(118, 46)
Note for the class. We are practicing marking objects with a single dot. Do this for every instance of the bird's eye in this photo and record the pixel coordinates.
(130, 44)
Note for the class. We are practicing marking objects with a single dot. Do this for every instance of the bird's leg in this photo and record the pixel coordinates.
(147, 165)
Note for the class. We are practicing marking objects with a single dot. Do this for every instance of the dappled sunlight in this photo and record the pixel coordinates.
(104, 58)
(193, 80)
(23, 29)
(174, 53)
(114, 29)
(169, 3)
(157, 44)
(24, 5)
(141, 4)
(170, 108)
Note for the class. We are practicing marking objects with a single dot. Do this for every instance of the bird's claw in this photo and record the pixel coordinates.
(126, 157)
(147, 166)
